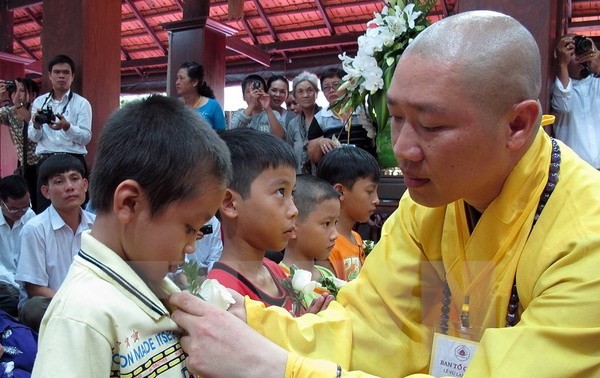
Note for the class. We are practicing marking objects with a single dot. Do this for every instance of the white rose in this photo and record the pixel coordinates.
(302, 281)
(216, 294)
(338, 282)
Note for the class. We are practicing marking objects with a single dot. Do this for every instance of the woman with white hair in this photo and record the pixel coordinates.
(305, 88)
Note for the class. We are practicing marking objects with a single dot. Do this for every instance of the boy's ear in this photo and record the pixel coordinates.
(127, 199)
(45, 191)
(340, 189)
(228, 205)
(86, 184)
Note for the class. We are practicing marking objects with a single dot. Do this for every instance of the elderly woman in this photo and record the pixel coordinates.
(305, 88)
(194, 91)
(16, 117)
(332, 128)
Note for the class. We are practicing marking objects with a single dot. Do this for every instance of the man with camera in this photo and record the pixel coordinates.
(62, 120)
(576, 96)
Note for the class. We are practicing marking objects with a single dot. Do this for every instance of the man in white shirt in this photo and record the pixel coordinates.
(62, 120)
(576, 97)
(50, 240)
(16, 211)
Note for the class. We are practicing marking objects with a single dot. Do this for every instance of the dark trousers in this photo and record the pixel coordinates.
(43, 202)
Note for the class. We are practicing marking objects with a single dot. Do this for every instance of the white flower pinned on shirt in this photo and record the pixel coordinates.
(209, 290)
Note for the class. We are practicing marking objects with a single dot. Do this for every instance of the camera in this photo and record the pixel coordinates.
(11, 86)
(45, 116)
(256, 84)
(206, 229)
(582, 44)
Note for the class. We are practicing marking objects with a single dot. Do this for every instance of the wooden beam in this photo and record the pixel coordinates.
(24, 47)
(253, 52)
(17, 4)
(336, 40)
(325, 17)
(147, 26)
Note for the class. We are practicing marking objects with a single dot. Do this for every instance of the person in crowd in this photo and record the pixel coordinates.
(209, 248)
(331, 129)
(278, 88)
(318, 207)
(576, 96)
(257, 214)
(258, 114)
(292, 106)
(194, 91)
(496, 237)
(354, 174)
(61, 121)
(305, 88)
(16, 211)
(51, 239)
(149, 213)
(16, 117)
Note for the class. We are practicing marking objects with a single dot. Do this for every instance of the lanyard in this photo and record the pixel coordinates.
(64, 107)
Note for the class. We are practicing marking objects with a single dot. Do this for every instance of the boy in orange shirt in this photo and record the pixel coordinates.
(355, 174)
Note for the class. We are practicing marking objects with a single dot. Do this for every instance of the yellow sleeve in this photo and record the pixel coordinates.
(377, 325)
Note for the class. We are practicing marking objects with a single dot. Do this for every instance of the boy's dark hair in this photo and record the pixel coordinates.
(310, 192)
(12, 186)
(195, 71)
(59, 59)
(331, 73)
(250, 79)
(58, 164)
(347, 164)
(163, 146)
(252, 152)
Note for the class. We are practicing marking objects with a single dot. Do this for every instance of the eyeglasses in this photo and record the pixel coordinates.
(332, 86)
(12, 210)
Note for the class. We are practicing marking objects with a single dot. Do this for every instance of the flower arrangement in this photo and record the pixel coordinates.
(368, 246)
(369, 73)
(301, 284)
(208, 289)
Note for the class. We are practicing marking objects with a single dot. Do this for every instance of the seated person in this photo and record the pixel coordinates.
(330, 130)
(257, 214)
(51, 239)
(318, 206)
(16, 211)
(258, 114)
(354, 173)
(108, 317)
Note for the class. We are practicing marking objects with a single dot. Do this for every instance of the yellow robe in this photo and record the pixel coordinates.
(384, 320)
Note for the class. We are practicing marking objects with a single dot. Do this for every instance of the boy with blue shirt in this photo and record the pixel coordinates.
(51, 239)
(160, 174)
(16, 211)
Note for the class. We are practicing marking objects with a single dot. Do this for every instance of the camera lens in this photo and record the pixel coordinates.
(582, 45)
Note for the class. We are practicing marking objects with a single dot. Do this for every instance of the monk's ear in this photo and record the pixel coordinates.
(525, 121)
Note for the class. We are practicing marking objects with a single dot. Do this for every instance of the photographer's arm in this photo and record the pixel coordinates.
(80, 130)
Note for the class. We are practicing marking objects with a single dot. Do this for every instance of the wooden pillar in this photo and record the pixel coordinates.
(201, 39)
(88, 31)
(544, 20)
(11, 67)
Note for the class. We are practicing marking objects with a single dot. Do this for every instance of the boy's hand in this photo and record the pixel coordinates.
(320, 303)
(212, 336)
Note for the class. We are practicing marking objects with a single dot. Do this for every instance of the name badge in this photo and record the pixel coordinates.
(450, 356)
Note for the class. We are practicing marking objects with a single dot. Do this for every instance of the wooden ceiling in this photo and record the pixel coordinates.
(293, 34)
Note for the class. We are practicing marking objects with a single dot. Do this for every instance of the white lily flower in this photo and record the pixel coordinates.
(216, 294)
(411, 16)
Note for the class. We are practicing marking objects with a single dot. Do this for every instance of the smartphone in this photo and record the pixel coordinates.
(206, 229)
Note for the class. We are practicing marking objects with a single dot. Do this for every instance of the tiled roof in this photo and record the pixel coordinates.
(296, 34)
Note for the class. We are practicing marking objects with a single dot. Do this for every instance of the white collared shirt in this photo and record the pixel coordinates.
(9, 246)
(578, 117)
(77, 111)
(48, 246)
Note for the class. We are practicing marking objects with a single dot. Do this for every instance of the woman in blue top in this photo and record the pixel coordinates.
(194, 91)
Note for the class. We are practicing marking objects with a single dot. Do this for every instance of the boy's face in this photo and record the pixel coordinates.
(267, 217)
(360, 201)
(316, 234)
(156, 246)
(66, 191)
(14, 208)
